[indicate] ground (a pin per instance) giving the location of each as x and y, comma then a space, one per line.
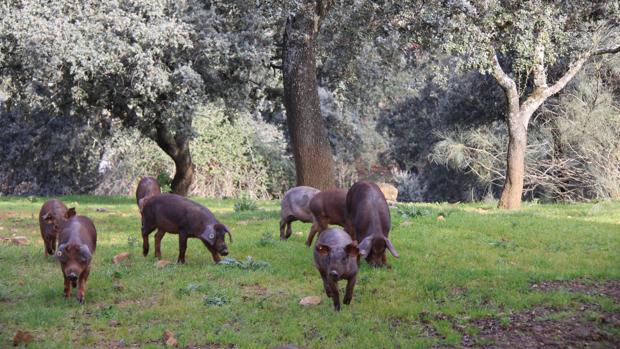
547, 276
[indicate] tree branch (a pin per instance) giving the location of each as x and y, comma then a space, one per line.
602, 51
507, 83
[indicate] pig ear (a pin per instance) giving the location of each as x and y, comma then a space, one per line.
352, 250
48, 218
365, 246
223, 229
85, 251
60, 251
70, 213
209, 235
322, 249
391, 247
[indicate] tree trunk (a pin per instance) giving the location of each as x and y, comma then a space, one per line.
177, 147
515, 164
314, 163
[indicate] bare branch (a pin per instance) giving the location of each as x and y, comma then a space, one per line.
607, 50
507, 83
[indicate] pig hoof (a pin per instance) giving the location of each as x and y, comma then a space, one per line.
81, 300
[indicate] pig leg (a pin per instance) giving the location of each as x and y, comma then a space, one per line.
349, 292
182, 247
158, 236
313, 230
48, 249
53, 244
289, 231
145, 240
67, 291
283, 223
335, 294
82, 285
328, 289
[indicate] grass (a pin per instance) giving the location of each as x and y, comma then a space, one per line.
478, 262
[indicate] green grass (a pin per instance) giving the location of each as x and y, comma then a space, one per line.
476, 263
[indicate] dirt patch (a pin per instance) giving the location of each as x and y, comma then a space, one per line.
545, 327
255, 289
610, 288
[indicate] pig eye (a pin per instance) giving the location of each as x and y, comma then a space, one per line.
211, 236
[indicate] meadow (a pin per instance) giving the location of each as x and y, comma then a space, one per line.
477, 277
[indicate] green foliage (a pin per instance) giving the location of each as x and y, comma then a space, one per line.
245, 203
165, 181
248, 264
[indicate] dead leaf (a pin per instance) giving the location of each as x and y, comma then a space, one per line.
120, 257
162, 263
113, 323
22, 337
310, 300
169, 339
20, 240
441, 218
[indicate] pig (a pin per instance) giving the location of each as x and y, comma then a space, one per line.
368, 222
147, 187
177, 215
336, 257
51, 219
77, 243
327, 207
295, 207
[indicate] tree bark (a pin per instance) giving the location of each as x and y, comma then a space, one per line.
177, 147
314, 163
515, 162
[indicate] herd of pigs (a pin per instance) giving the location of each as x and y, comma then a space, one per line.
362, 211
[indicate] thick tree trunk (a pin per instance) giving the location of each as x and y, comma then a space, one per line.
314, 163
177, 147
515, 162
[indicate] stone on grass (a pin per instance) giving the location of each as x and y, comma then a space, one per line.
310, 301
162, 263
120, 257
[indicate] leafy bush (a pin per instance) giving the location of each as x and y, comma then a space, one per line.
248, 264
245, 203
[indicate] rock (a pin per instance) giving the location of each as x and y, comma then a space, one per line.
169, 339
441, 218
22, 337
389, 191
120, 257
101, 209
310, 301
19, 240
162, 263
118, 286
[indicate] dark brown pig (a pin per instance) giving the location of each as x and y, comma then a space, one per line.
295, 207
177, 215
147, 187
51, 219
368, 222
336, 257
77, 243
327, 207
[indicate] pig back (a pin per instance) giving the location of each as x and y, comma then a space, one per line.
147, 186
334, 238
79, 229
296, 203
367, 210
174, 213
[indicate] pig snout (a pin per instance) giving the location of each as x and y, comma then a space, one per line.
334, 275
72, 276
224, 251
